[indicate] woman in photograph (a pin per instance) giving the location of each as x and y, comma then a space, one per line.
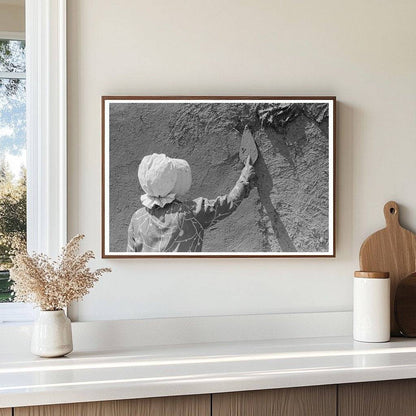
165, 224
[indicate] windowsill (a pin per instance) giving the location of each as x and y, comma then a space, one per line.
16, 313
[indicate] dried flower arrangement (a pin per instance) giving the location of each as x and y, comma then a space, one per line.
53, 285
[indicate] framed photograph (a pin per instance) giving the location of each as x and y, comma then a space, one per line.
218, 176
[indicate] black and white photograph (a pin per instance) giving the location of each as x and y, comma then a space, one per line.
218, 176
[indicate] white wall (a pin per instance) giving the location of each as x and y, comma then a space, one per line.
361, 51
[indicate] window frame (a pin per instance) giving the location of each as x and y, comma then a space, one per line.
46, 135
12, 35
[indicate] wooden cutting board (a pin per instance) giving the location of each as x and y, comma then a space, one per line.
393, 250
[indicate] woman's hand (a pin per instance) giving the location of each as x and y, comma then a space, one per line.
248, 177
248, 173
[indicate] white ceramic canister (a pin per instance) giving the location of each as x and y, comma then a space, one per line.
52, 334
371, 313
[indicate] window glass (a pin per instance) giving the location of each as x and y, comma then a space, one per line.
12, 156
12, 56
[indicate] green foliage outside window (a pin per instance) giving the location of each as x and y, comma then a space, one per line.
12, 155
12, 223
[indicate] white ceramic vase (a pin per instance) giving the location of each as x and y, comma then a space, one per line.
52, 334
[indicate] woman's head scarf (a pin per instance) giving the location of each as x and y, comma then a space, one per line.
163, 179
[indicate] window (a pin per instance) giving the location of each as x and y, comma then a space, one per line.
12, 154
45, 90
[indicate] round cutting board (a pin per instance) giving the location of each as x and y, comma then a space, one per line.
393, 250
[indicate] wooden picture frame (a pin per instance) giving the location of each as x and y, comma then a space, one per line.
290, 129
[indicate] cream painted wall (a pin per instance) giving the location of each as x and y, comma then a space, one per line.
361, 51
12, 18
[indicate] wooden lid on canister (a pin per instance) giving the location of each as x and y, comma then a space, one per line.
372, 275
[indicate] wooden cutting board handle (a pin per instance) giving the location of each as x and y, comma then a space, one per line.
393, 250
391, 214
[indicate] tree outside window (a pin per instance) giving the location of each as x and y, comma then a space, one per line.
12, 156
